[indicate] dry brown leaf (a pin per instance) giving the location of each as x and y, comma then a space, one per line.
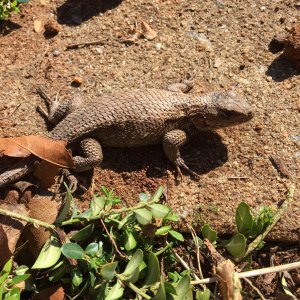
44, 209
46, 173
229, 284
49, 150
38, 26
147, 31
10, 230
51, 293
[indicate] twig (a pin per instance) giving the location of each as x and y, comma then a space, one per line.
26, 219
112, 240
197, 246
280, 212
132, 286
254, 273
255, 289
184, 264
84, 44
7, 117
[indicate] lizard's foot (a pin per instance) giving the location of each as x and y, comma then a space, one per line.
180, 164
72, 180
185, 85
57, 109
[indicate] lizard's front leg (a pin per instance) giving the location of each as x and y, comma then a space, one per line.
57, 109
171, 143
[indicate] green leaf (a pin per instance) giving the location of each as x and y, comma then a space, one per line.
132, 270
83, 234
237, 245
177, 235
125, 220
21, 270
209, 233
18, 279
159, 211
171, 217
203, 295
170, 289
66, 208
144, 197
115, 292
49, 254
130, 241
143, 216
57, 274
163, 230
243, 218
72, 250
92, 249
153, 274
77, 277
134, 262
97, 204
182, 288
161, 292
1, 285
14, 294
6, 270
108, 270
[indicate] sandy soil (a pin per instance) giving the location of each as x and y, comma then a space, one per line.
225, 42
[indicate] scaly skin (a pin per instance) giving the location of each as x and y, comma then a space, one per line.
143, 117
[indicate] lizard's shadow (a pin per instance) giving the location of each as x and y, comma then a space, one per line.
203, 154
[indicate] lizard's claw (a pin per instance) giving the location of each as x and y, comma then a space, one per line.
180, 164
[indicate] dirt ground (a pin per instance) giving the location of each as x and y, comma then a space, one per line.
225, 42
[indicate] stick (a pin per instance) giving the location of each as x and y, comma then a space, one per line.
253, 273
84, 44
113, 241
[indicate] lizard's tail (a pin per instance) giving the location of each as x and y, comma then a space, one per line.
17, 171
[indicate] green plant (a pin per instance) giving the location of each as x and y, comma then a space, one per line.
8, 282
248, 227
8, 6
116, 253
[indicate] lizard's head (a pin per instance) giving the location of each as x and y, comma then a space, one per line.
225, 109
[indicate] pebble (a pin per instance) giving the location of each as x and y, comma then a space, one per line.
158, 46
56, 53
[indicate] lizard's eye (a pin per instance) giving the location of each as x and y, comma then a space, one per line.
227, 114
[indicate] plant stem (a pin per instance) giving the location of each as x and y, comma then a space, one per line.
133, 287
279, 213
26, 219
164, 249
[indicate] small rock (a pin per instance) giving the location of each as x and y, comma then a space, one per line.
147, 31
263, 8
217, 63
52, 28
77, 81
158, 46
258, 127
99, 50
38, 26
204, 41
56, 53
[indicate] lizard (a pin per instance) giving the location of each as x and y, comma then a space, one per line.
137, 118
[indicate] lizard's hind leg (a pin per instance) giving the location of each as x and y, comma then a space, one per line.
57, 109
91, 155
